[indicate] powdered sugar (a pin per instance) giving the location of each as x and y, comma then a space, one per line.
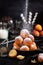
31, 36
24, 31
27, 39
24, 47
18, 37
41, 55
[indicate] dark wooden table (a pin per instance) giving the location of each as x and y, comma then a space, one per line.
9, 61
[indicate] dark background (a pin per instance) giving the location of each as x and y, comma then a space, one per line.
14, 8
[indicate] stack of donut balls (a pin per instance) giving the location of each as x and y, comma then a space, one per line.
25, 41
38, 30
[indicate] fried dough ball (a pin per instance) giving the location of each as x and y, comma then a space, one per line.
40, 57
34, 43
12, 53
32, 37
27, 41
24, 33
33, 47
41, 33
20, 57
19, 40
24, 48
36, 33
15, 46
38, 27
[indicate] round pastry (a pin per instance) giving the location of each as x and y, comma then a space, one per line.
33, 47
41, 33
34, 43
27, 41
24, 48
36, 33
15, 46
38, 27
24, 33
12, 53
19, 40
40, 57
32, 37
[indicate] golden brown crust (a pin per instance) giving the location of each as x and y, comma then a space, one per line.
41, 33
36, 33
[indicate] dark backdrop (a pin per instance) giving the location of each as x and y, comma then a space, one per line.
14, 8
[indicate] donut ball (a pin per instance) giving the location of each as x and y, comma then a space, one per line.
40, 57
19, 40
24, 48
33, 47
27, 41
41, 33
24, 33
32, 37
36, 33
15, 46
34, 43
12, 53
38, 27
